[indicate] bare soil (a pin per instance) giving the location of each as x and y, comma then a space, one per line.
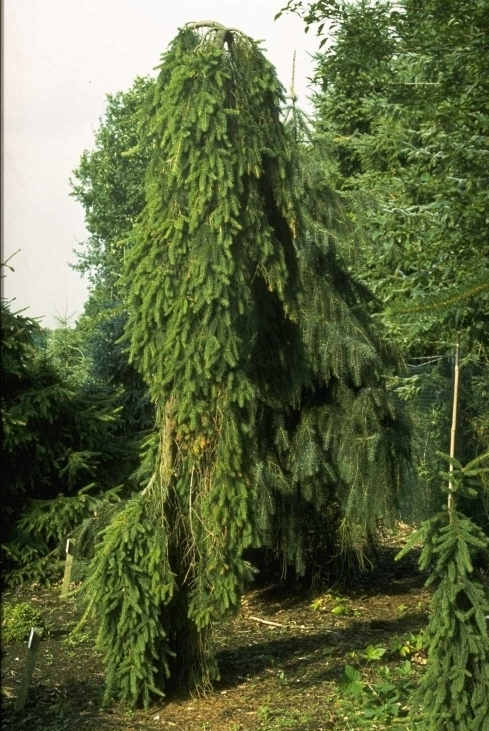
280, 659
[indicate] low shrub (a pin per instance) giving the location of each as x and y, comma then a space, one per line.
18, 620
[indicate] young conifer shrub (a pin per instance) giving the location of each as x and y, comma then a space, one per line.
454, 692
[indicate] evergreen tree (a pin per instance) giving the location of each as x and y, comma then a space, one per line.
267, 374
216, 239
401, 102
64, 447
343, 446
454, 691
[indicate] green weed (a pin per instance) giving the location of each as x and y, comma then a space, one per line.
379, 696
340, 607
408, 646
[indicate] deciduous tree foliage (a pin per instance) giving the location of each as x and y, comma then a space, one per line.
273, 420
109, 184
403, 90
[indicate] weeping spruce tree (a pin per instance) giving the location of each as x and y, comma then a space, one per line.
273, 421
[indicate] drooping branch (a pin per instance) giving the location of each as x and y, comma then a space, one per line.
213, 25
223, 34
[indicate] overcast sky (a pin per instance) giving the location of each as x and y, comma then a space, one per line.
61, 59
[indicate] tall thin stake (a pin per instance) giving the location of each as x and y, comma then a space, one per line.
32, 653
453, 432
70, 550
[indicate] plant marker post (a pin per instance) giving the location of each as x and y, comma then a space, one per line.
70, 550
32, 652
453, 432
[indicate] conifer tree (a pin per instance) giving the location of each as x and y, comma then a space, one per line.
212, 256
267, 374
62, 450
454, 692
347, 445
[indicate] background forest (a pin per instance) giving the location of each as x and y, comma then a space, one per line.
262, 378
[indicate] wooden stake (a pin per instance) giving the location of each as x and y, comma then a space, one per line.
32, 652
453, 432
70, 552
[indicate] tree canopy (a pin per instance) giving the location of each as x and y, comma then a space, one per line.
402, 99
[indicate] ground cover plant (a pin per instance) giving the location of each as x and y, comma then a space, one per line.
18, 620
290, 671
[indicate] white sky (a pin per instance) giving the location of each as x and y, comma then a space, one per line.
61, 58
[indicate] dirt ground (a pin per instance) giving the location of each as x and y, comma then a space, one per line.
280, 659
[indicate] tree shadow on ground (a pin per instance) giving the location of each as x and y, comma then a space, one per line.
383, 573
303, 650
